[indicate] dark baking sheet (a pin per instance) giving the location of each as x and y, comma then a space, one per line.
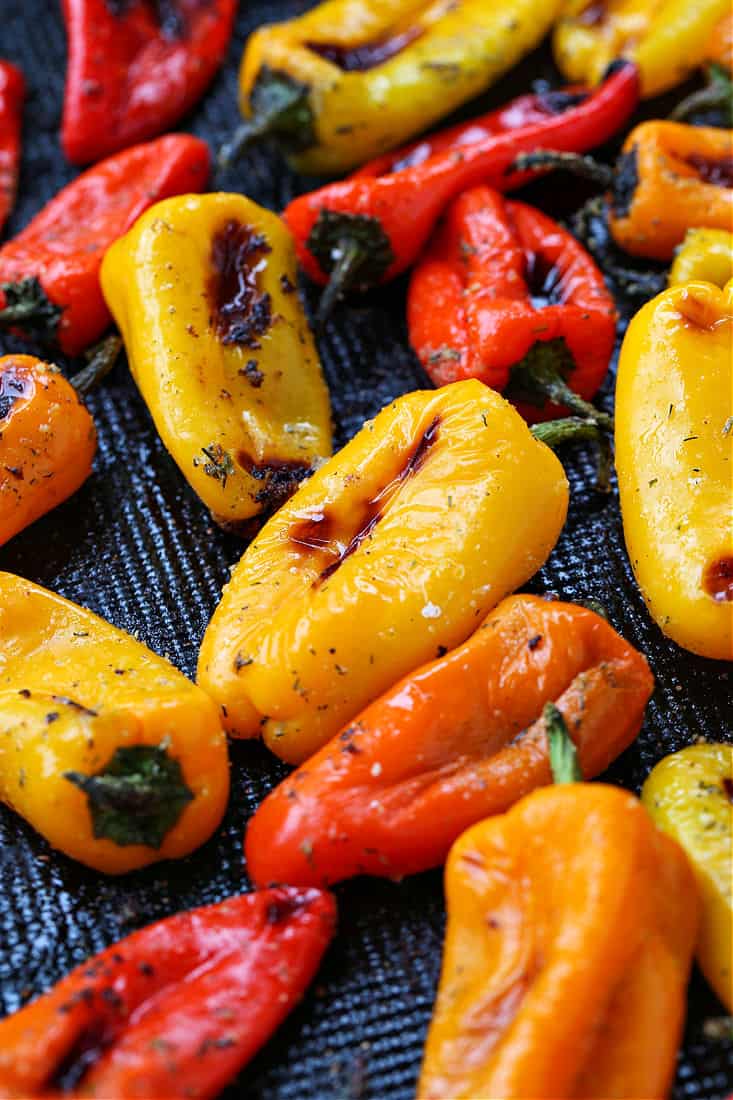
137, 547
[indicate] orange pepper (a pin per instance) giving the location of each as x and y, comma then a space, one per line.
571, 926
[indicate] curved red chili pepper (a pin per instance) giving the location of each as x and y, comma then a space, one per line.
174, 1010
136, 67
473, 312
49, 273
12, 94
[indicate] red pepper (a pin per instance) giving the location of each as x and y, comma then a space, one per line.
174, 1010
506, 295
12, 93
136, 67
365, 230
49, 273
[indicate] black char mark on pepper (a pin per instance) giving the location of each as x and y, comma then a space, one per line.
287, 905
12, 388
242, 312
280, 478
359, 59
625, 182
715, 170
171, 16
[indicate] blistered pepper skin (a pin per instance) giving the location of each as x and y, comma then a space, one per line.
76, 695
705, 254
203, 290
398, 546
690, 796
674, 457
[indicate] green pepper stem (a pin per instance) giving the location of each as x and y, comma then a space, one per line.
350, 257
563, 754
566, 429
583, 166
251, 130
28, 306
101, 358
280, 105
540, 375
717, 93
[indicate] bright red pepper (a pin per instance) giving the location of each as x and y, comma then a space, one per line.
174, 1010
505, 294
49, 273
366, 229
12, 94
136, 67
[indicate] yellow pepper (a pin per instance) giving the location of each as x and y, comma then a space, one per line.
392, 552
690, 796
203, 290
705, 254
105, 748
351, 79
674, 456
668, 39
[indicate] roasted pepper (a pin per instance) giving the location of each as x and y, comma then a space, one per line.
174, 1010
571, 925
12, 94
203, 290
105, 748
674, 456
49, 273
461, 738
690, 796
135, 68
368, 228
394, 549
505, 294
352, 78
705, 254
47, 437
666, 38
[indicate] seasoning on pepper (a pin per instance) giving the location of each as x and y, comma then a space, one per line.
12, 94
365, 230
49, 273
690, 796
136, 67
505, 294
350, 79
174, 1010
105, 748
202, 290
674, 456
705, 254
461, 738
571, 926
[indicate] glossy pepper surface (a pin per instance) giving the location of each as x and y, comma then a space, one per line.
690, 796
571, 925
666, 38
505, 294
461, 738
174, 1010
203, 290
136, 67
705, 254
49, 273
399, 545
12, 94
674, 457
350, 79
105, 748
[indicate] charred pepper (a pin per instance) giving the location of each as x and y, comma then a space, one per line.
12, 94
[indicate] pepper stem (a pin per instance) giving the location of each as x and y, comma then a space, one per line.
540, 375
280, 106
717, 93
585, 167
28, 307
100, 360
566, 429
349, 260
563, 754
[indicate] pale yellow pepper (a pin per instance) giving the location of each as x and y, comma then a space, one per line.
105, 748
690, 796
705, 254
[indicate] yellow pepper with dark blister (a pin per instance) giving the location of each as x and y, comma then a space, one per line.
105, 748
668, 39
674, 456
203, 290
705, 254
690, 796
391, 553
351, 79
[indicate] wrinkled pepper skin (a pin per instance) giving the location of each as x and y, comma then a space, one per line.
705, 254
666, 38
203, 290
674, 457
133, 72
62, 247
461, 738
690, 796
105, 748
472, 306
12, 94
375, 72
398, 546
571, 926
176, 1009
47, 441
